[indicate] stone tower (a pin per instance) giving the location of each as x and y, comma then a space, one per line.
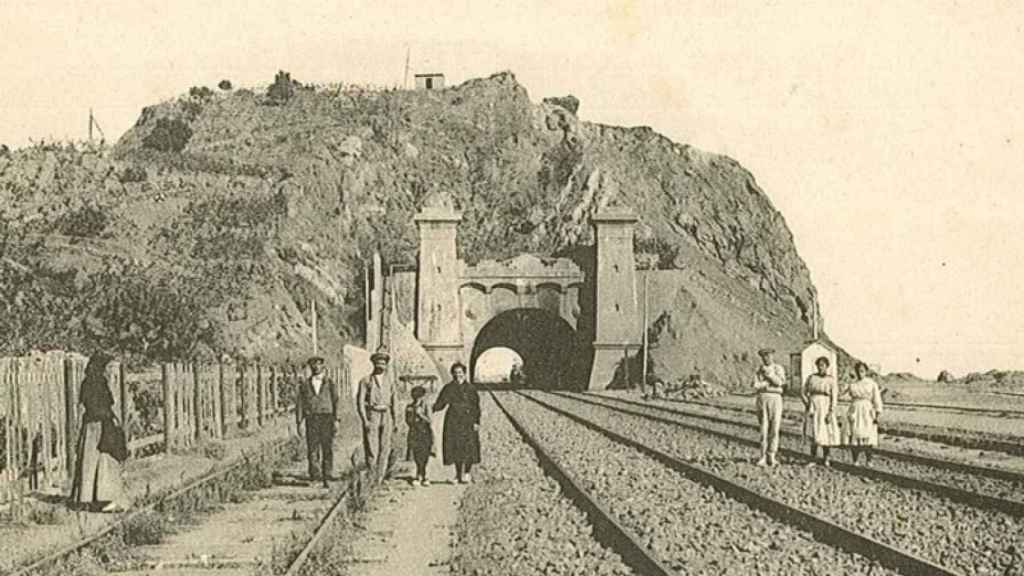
438, 322
616, 317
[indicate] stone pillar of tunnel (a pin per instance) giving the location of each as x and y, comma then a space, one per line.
616, 316
438, 321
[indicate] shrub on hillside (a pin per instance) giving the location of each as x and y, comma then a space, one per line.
225, 85
89, 221
200, 93
157, 312
657, 253
132, 174
169, 135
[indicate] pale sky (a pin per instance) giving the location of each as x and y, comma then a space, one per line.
890, 136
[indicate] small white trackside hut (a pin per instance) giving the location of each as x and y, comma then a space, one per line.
801, 364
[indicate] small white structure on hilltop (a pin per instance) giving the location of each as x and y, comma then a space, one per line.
431, 81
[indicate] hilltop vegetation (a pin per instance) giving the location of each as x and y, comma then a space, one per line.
230, 210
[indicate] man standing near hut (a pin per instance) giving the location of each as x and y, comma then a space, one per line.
318, 406
769, 383
375, 402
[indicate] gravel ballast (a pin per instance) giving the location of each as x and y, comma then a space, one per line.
959, 537
998, 488
690, 527
514, 520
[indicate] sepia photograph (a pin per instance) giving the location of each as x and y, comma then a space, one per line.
618, 287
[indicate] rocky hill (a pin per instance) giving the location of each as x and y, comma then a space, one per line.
240, 206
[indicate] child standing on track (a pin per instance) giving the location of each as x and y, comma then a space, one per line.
421, 437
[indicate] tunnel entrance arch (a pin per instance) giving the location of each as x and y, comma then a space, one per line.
553, 355
596, 301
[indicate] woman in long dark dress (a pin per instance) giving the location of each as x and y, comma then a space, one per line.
97, 480
460, 442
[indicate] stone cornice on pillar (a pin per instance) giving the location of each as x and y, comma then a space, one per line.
437, 215
614, 215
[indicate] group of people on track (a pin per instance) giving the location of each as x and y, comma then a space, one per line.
97, 480
378, 411
824, 426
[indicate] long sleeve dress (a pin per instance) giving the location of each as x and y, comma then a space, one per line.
821, 393
865, 407
97, 474
460, 443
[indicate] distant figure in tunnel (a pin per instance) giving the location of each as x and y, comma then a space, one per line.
460, 442
375, 402
769, 383
516, 376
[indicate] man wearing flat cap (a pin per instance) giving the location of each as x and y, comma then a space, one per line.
375, 403
769, 384
318, 406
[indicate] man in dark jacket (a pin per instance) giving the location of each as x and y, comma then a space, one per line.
318, 406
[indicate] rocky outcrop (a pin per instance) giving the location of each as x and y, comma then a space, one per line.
350, 168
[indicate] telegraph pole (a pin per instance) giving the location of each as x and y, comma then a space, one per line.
312, 310
93, 122
814, 319
405, 78
643, 376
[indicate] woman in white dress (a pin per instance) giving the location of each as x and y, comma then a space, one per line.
819, 394
865, 409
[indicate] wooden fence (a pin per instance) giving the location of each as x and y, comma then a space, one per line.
173, 407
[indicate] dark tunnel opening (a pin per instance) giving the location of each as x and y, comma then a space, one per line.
553, 355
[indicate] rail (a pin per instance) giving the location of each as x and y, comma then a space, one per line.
824, 530
966, 439
357, 483
270, 450
982, 501
974, 469
607, 530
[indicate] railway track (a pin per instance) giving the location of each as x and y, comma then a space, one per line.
256, 515
606, 529
692, 519
969, 538
979, 486
976, 410
971, 439
935, 407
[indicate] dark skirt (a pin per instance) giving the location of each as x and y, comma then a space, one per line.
419, 443
460, 442
97, 474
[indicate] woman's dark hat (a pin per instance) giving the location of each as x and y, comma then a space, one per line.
315, 360
380, 356
764, 351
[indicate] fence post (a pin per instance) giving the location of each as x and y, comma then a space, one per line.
197, 403
275, 389
165, 381
243, 393
123, 391
70, 414
219, 415
259, 392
